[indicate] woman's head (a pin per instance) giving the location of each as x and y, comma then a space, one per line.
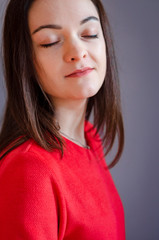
28, 62
26, 17
67, 37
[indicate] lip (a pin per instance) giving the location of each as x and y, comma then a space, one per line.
80, 72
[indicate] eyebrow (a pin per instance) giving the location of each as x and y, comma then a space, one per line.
54, 26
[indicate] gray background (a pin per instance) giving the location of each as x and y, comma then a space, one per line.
136, 34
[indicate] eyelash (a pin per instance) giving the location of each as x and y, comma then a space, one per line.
48, 45
54, 43
91, 36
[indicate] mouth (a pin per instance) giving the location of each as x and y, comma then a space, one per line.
80, 72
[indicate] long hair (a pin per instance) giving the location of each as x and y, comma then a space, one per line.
29, 112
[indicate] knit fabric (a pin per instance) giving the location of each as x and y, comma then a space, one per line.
44, 196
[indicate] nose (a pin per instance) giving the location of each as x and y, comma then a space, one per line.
74, 52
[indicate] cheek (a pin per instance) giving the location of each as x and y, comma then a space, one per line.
44, 67
102, 59
41, 72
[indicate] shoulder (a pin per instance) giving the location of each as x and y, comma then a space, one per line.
27, 159
92, 135
30, 192
91, 131
94, 141
29, 169
89, 127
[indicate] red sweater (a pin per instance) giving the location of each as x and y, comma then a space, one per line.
45, 197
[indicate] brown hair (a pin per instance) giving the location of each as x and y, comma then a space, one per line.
29, 113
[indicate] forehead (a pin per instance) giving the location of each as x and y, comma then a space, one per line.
60, 11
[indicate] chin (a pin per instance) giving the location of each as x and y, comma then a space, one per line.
87, 93
92, 91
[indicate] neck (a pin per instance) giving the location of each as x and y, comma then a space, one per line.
71, 118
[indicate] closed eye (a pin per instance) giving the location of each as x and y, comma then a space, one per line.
90, 36
48, 45
54, 43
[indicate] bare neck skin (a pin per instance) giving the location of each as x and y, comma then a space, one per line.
70, 116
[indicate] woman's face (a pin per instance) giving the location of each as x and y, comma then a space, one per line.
67, 37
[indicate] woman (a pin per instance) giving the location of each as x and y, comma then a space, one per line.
59, 68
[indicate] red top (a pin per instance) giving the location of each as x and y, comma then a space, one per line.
45, 197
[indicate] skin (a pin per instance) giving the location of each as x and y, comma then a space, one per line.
59, 52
